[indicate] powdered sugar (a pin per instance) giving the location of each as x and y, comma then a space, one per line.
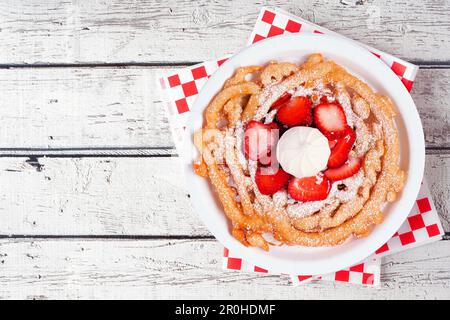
270, 116
280, 198
341, 191
319, 90
268, 96
343, 98
304, 209
239, 134
301, 91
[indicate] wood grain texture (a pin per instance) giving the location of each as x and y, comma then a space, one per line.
51, 108
122, 196
162, 269
60, 31
88, 108
95, 196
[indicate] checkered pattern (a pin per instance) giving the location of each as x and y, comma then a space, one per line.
179, 93
422, 226
274, 22
233, 262
366, 273
185, 85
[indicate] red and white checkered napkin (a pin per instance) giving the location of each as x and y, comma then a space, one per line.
367, 272
422, 226
181, 88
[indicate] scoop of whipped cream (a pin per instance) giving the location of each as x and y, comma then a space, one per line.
303, 151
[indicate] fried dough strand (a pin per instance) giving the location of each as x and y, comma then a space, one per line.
216, 106
240, 75
274, 72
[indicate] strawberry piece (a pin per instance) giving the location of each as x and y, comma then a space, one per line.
259, 139
296, 112
330, 119
332, 143
313, 188
323, 99
339, 154
348, 169
281, 100
270, 180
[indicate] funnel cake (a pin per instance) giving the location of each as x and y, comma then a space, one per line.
267, 205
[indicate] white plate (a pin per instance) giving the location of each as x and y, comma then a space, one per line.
363, 64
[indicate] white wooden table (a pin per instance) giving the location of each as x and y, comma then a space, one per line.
91, 200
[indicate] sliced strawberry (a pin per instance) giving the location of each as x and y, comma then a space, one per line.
348, 169
259, 140
330, 119
332, 143
296, 112
281, 100
323, 99
309, 188
339, 154
270, 180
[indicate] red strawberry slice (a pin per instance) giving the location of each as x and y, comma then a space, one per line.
323, 99
332, 143
330, 119
296, 112
259, 139
339, 154
270, 180
348, 169
309, 188
281, 100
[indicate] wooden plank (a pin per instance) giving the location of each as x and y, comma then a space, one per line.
60, 31
95, 196
437, 173
163, 269
122, 196
51, 108
86, 108
428, 88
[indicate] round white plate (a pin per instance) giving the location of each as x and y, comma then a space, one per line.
363, 64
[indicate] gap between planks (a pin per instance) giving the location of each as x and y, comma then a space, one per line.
143, 152
105, 198
168, 64
121, 107
89, 152
445, 237
95, 31
108, 237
